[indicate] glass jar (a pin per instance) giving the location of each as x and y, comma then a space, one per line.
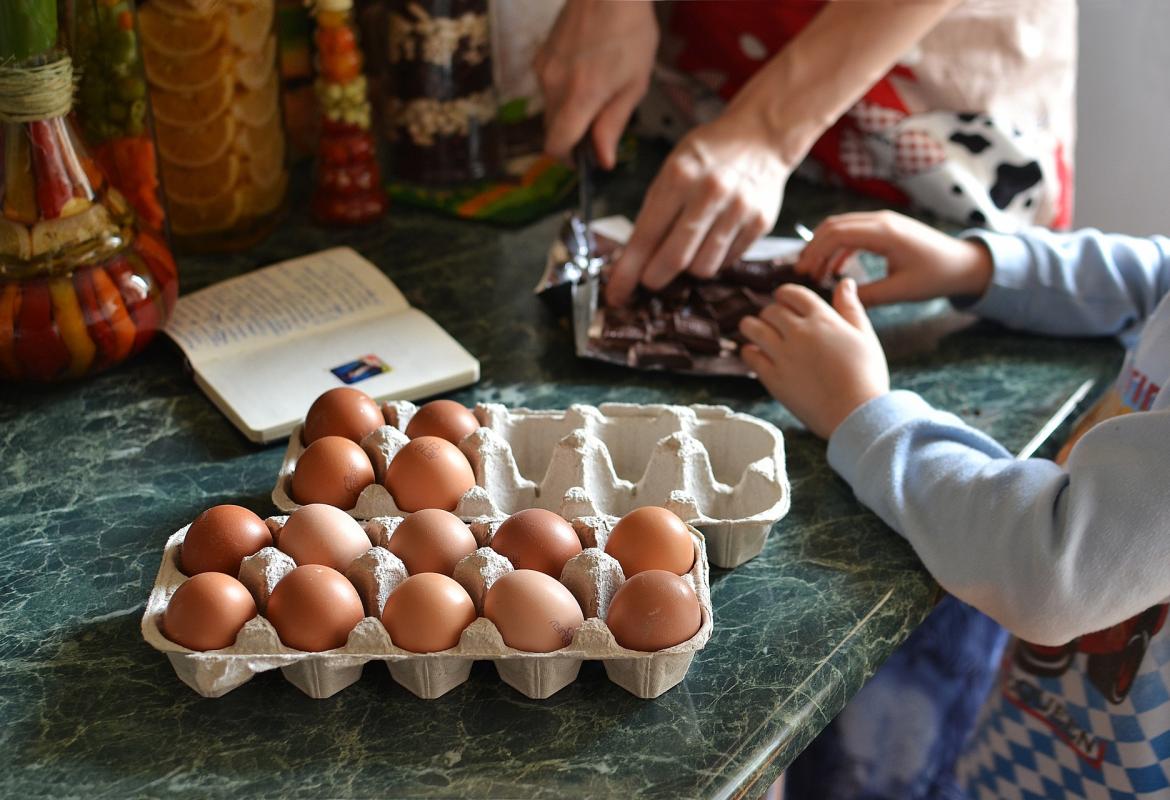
347, 186
81, 286
215, 93
440, 105
111, 105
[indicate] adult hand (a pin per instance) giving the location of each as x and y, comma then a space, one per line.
718, 191
820, 362
594, 68
922, 263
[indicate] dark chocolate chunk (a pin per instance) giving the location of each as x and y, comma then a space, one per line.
759, 299
712, 292
677, 292
698, 334
729, 312
668, 355
622, 328
758, 275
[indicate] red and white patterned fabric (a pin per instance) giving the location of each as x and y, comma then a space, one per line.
975, 124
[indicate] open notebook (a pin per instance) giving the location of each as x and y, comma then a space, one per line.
264, 345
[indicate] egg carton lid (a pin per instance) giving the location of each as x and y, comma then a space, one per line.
721, 471
592, 576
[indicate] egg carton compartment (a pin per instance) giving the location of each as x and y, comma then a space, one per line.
723, 471
593, 577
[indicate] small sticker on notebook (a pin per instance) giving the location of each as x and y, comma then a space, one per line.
361, 369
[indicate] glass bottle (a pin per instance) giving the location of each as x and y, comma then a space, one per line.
440, 104
215, 95
82, 287
347, 181
111, 106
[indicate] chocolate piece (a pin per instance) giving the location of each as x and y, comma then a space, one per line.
659, 328
712, 292
758, 275
677, 292
729, 312
759, 299
668, 355
622, 328
698, 334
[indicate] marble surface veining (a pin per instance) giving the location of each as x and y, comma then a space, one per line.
94, 476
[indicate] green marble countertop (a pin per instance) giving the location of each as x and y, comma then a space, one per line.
95, 476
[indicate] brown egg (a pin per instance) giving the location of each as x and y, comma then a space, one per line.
427, 613
443, 418
429, 472
654, 610
220, 538
332, 470
651, 538
537, 539
321, 534
313, 608
207, 611
344, 412
431, 540
533, 612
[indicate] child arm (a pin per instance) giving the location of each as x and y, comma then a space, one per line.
1076, 284
1083, 283
1049, 553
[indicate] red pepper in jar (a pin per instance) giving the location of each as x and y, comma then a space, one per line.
162, 266
100, 329
38, 342
136, 295
113, 309
54, 190
9, 310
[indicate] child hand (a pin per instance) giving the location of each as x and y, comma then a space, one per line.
821, 363
922, 263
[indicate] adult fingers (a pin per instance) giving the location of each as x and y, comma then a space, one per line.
713, 253
659, 210
611, 122
755, 226
570, 112
706, 199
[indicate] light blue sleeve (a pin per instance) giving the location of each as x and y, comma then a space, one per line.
1050, 553
1075, 284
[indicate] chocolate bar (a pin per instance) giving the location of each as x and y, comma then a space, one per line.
691, 320
698, 334
668, 355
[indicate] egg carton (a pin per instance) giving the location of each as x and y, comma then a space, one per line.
721, 471
592, 576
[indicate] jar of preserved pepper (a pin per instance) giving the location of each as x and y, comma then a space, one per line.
211, 69
111, 104
347, 181
440, 108
82, 287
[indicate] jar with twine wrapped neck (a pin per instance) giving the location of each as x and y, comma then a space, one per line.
82, 287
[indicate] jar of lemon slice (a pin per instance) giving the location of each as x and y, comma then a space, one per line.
211, 66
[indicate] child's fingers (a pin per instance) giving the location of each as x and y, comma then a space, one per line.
867, 231
763, 335
766, 372
801, 300
848, 305
897, 287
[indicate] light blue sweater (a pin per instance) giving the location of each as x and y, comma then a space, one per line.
1051, 552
